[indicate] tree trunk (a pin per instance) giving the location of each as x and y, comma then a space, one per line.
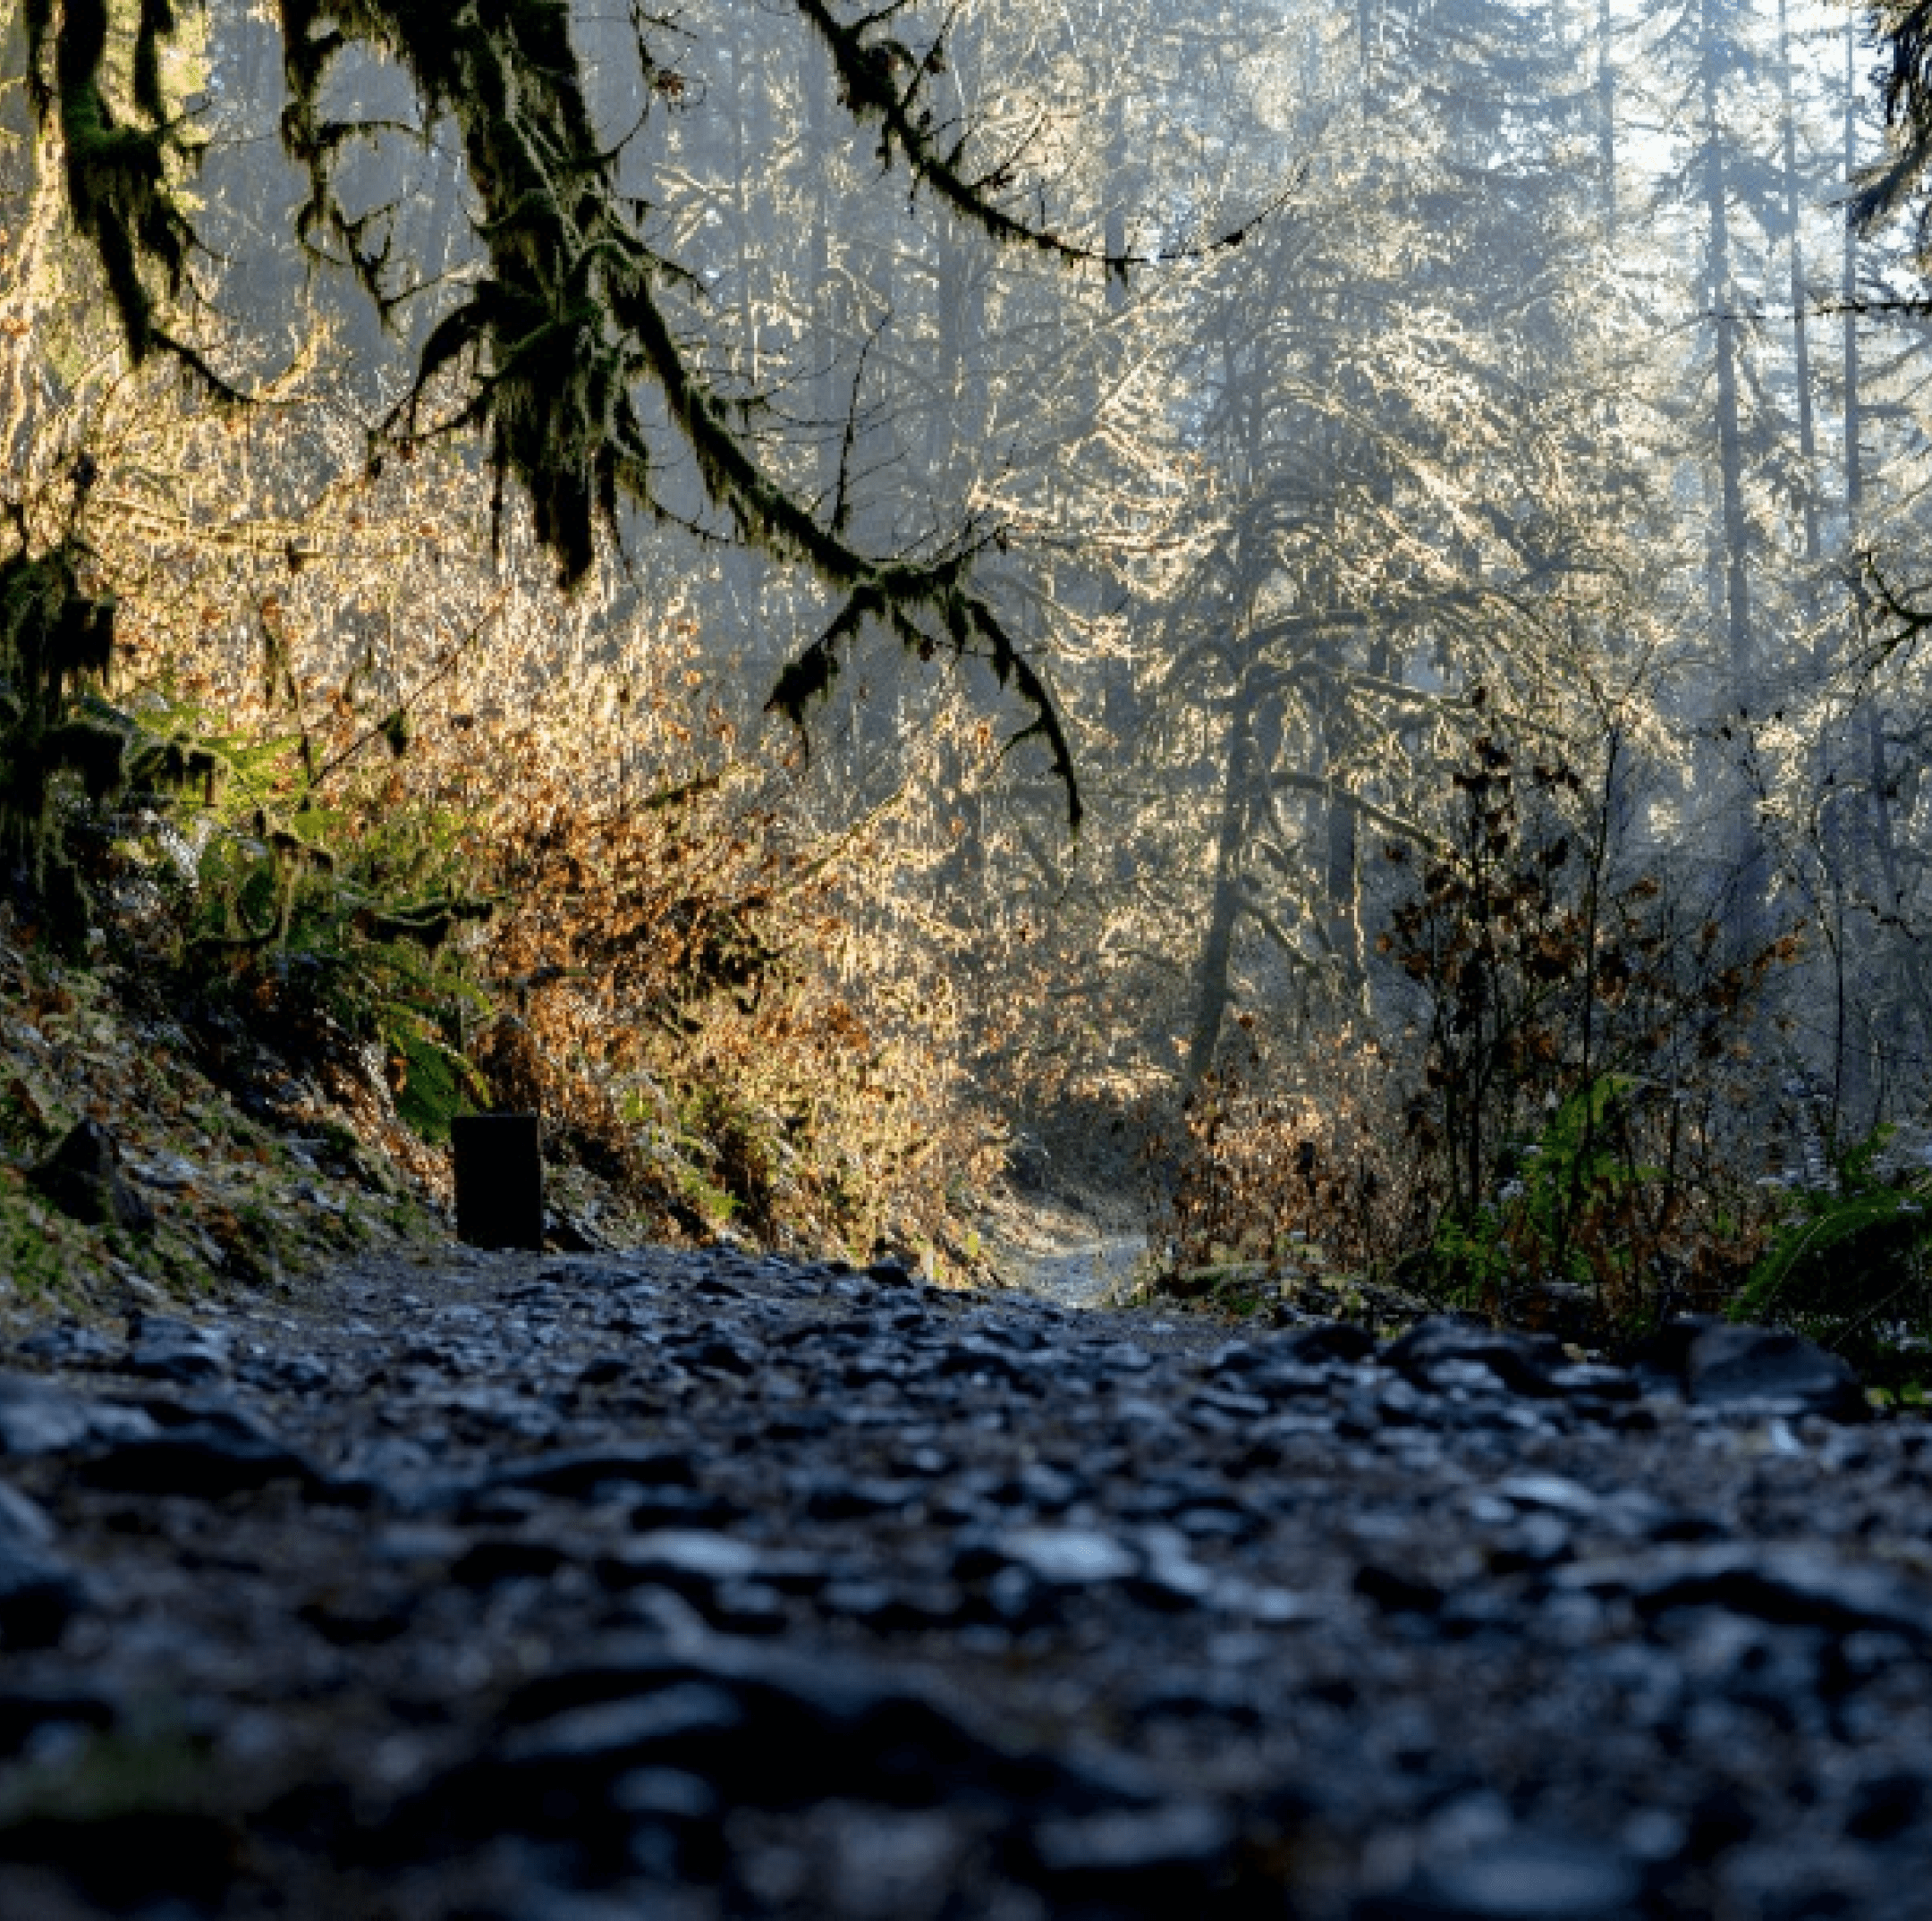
1801, 340
1878, 821
1606, 124
827, 402
1744, 914
1342, 863
1213, 976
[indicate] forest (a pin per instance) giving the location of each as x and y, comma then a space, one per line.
1310, 617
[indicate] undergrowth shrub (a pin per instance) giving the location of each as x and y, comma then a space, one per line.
645, 951
444, 837
1285, 1171
686, 989
1591, 1065
1566, 1128
1850, 1263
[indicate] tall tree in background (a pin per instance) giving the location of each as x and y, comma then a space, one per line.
1396, 381
1706, 58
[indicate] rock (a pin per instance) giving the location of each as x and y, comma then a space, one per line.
1522, 1363
59, 1701
719, 1355
164, 1347
1551, 1491
359, 1618
1596, 1380
1138, 1861
1730, 1363
1170, 1577
82, 1178
889, 1865
1518, 1876
1049, 1490
1793, 1584
70, 1345
1330, 1341
569, 1233
888, 1610
1536, 1541
1718, 1820
1218, 1401
38, 1594
491, 1560
578, 1473
1658, 1360
980, 1354
746, 1607
684, 1722
690, 1561
296, 1374
38, 1416
932, 1603
1883, 1805
22, 1520
204, 1458
664, 1794
771, 1730
679, 1506
839, 1497
1397, 1592
1066, 1557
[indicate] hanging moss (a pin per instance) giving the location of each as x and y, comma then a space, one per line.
95, 751
55, 645
53, 641
122, 175
549, 353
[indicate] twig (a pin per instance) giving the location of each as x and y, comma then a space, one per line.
443, 669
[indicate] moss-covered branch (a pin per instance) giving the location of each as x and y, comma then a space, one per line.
551, 349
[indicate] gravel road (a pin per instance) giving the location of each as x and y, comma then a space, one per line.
1087, 1274
675, 1584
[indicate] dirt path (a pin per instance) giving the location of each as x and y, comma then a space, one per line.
1091, 1273
703, 1587
1074, 1249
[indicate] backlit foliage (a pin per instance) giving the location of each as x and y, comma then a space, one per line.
571, 314
450, 837
1472, 704
1575, 1105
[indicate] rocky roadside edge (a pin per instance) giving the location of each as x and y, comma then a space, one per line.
156, 1155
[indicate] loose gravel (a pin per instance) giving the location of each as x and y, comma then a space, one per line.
528, 1588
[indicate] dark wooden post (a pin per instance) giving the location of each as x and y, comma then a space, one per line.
499, 1180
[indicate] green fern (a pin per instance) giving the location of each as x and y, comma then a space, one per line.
1853, 1267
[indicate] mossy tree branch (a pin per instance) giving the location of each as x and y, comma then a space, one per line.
565, 329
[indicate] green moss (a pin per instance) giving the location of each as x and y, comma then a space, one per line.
109, 1775
29, 1253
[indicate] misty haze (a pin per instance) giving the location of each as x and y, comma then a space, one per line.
965, 960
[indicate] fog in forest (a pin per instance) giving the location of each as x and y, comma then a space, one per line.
1344, 587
